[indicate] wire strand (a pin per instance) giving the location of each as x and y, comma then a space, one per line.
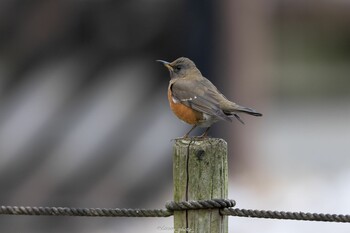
225, 206
282, 215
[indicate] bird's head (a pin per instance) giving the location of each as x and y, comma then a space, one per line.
180, 68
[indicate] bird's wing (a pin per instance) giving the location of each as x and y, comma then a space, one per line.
199, 94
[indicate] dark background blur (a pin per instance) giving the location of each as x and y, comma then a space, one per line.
84, 119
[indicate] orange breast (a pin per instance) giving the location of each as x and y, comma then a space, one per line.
183, 112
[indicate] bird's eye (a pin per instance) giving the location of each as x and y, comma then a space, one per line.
178, 68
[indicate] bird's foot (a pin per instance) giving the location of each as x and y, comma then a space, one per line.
202, 137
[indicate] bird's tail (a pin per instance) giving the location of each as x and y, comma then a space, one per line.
249, 111
234, 109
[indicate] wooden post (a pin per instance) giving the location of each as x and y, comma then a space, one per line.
200, 173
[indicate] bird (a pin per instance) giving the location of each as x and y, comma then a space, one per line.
195, 100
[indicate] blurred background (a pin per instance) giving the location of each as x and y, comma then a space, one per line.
84, 118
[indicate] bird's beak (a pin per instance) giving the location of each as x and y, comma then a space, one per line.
166, 64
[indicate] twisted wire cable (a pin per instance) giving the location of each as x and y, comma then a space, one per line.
225, 206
